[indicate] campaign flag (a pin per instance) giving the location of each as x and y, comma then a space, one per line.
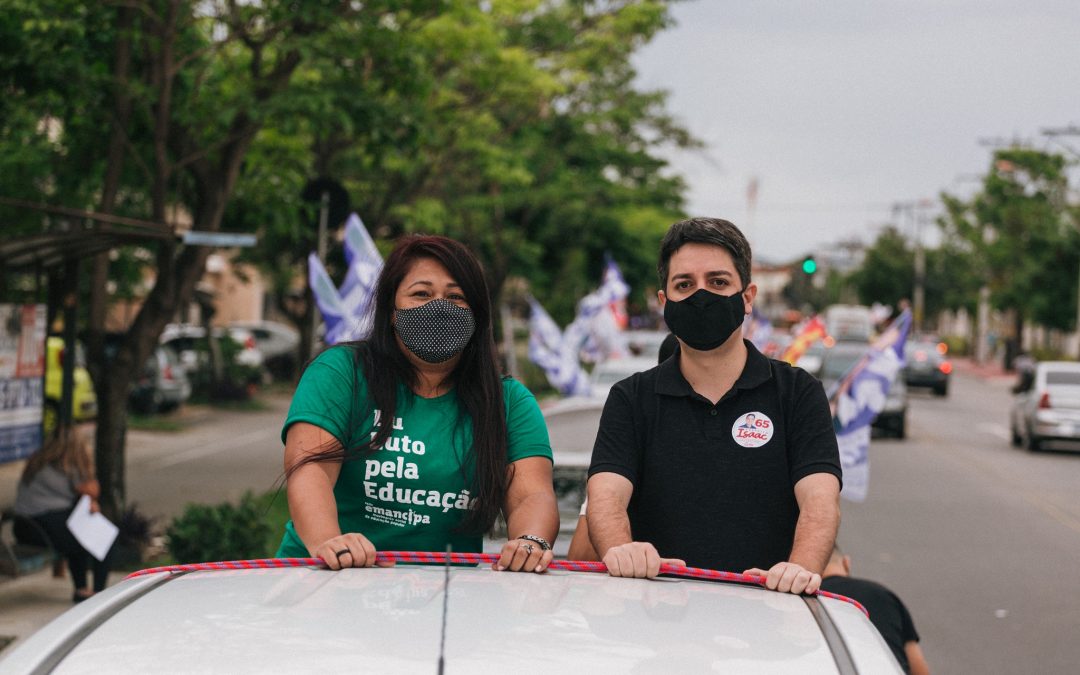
327, 299
812, 331
857, 399
347, 311
357, 291
598, 326
757, 329
550, 349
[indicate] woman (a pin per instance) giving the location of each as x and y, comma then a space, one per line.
54, 479
410, 439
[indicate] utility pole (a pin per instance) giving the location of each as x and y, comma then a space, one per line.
324, 216
915, 210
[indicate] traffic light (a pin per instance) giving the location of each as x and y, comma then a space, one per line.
809, 265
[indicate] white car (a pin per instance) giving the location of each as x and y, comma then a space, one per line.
185, 340
572, 425
427, 619
607, 373
1047, 405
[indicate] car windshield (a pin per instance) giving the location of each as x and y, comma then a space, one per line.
838, 364
1063, 377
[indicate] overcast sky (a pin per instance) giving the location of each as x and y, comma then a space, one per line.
843, 108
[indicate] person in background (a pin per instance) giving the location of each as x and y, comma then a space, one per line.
887, 612
671, 473
411, 439
53, 481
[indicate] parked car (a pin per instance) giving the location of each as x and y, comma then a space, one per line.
83, 399
188, 342
162, 385
420, 619
927, 366
839, 359
607, 373
1047, 406
278, 343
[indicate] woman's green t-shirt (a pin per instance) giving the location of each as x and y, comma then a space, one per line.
412, 493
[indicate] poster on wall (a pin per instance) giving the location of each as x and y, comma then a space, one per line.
22, 368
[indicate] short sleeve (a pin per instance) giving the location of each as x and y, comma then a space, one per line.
616, 448
812, 444
327, 394
526, 430
907, 626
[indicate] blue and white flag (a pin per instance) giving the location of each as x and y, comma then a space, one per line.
757, 329
596, 328
347, 311
327, 299
550, 349
858, 398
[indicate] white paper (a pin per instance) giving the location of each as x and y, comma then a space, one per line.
92, 530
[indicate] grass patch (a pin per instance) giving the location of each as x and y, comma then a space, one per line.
275, 507
154, 423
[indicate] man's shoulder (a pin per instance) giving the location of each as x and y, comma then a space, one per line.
641, 383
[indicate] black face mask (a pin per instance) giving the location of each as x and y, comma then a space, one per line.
436, 331
705, 320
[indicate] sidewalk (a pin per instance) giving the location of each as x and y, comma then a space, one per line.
29, 602
991, 370
174, 467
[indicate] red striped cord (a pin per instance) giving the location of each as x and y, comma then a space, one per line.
468, 558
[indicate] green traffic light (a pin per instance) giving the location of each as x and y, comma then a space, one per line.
809, 266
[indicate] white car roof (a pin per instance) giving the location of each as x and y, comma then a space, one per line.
390, 621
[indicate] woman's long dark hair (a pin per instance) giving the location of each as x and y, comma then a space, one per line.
476, 377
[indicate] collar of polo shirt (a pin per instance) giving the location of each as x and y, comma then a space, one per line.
670, 380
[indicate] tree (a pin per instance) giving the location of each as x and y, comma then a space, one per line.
887, 272
1022, 236
512, 125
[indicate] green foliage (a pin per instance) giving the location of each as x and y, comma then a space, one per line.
887, 273
958, 346
1021, 236
204, 533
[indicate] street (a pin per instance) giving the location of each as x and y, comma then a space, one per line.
978, 538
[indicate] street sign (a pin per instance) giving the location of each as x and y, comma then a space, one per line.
219, 239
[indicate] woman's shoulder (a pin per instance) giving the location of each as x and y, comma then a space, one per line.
514, 390
342, 358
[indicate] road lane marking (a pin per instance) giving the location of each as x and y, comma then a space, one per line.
995, 430
201, 451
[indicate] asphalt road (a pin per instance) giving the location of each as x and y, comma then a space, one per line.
981, 540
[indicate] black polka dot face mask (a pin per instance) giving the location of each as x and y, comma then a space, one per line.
435, 331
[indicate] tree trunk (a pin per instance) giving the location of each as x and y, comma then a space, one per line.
108, 437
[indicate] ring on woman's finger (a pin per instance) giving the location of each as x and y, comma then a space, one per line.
342, 552
529, 549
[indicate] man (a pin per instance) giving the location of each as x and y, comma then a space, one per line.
887, 612
671, 473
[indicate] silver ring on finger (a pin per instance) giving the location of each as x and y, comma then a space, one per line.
529, 549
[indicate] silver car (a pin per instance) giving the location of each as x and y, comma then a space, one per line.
1047, 405
393, 620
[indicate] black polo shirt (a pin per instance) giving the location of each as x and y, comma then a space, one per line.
712, 485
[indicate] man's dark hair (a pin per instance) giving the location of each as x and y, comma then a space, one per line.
713, 231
